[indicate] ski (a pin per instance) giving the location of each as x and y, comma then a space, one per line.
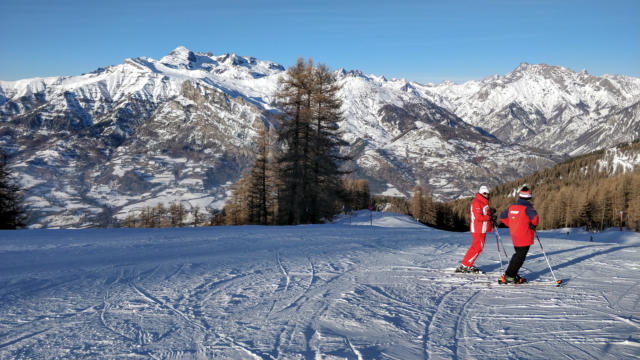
440, 271
469, 273
486, 281
458, 270
532, 283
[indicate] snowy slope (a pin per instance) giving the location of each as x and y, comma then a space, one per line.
334, 291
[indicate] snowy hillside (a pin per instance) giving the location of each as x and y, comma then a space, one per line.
101, 145
91, 147
547, 106
400, 139
338, 291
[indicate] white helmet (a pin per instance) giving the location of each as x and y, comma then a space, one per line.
483, 190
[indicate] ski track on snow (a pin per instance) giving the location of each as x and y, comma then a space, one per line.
326, 291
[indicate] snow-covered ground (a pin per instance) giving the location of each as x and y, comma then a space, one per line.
345, 290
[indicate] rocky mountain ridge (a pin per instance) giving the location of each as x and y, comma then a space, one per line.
92, 147
549, 107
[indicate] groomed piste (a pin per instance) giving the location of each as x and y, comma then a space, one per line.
346, 290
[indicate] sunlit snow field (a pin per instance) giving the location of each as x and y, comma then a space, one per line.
341, 291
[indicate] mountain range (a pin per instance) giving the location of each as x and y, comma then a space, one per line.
91, 148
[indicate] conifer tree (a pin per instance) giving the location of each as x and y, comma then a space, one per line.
260, 188
197, 215
416, 206
356, 194
326, 184
147, 216
217, 217
586, 215
294, 99
633, 211
309, 164
12, 213
130, 221
177, 214
236, 209
423, 208
160, 216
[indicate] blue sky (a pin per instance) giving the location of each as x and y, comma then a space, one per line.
424, 41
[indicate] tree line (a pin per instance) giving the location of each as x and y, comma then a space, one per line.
422, 207
581, 192
160, 216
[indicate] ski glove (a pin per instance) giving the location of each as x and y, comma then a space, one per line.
492, 211
494, 219
532, 227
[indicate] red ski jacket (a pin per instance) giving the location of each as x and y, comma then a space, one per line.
480, 215
518, 217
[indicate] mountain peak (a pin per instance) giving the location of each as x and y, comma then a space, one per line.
359, 74
544, 69
356, 73
233, 59
536, 68
179, 56
180, 50
448, 83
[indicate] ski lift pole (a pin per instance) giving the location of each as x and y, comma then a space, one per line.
548, 263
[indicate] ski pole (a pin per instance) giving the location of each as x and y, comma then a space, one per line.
499, 254
495, 229
548, 263
504, 251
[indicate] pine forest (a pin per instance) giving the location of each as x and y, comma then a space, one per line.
590, 191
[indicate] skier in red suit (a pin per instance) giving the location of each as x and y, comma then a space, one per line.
522, 219
482, 218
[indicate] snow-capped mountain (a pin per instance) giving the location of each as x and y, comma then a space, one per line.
139, 133
146, 131
548, 107
400, 138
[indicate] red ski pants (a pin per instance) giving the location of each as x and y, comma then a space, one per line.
476, 248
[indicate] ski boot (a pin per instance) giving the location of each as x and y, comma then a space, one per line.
520, 280
504, 279
468, 269
473, 269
